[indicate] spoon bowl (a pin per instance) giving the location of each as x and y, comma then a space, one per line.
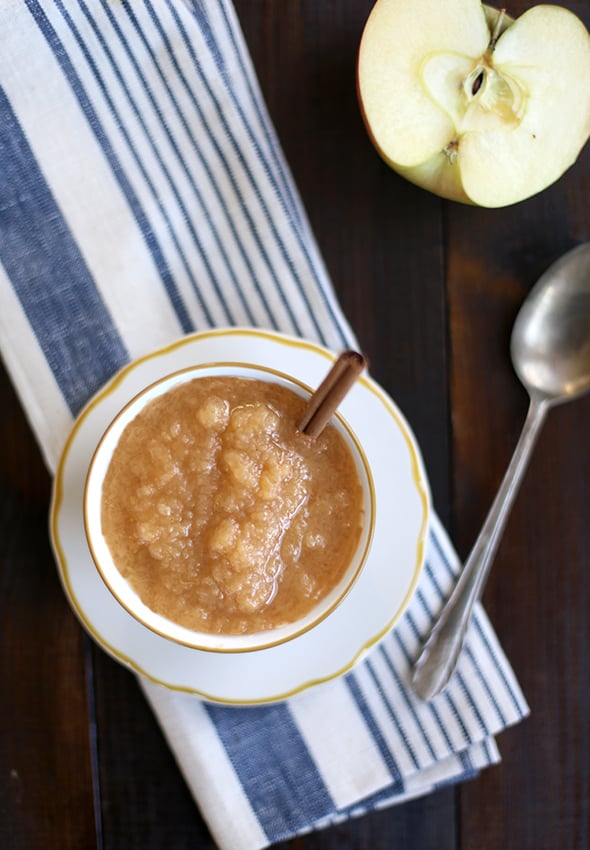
550, 350
550, 345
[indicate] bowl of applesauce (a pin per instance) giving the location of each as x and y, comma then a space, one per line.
216, 523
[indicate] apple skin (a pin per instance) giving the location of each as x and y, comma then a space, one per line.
438, 173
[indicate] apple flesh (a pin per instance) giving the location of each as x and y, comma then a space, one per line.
471, 104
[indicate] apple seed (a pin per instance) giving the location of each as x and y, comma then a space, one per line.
477, 83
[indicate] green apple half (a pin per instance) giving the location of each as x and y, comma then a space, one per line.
470, 104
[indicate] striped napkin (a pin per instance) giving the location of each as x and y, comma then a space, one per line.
143, 195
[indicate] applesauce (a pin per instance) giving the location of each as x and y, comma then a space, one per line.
221, 515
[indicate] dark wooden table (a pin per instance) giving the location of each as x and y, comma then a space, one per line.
431, 289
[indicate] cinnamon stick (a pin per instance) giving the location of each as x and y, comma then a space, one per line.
328, 396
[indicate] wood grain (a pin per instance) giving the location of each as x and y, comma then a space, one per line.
46, 778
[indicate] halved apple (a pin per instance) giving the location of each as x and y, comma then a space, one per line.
471, 104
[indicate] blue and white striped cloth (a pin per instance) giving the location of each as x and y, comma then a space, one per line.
143, 194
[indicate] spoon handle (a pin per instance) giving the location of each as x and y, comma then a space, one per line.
438, 658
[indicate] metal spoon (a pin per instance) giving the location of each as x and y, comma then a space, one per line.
550, 349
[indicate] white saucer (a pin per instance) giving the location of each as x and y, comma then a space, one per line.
336, 644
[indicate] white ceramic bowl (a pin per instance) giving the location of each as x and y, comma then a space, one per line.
126, 595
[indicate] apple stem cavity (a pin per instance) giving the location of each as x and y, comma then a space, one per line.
497, 30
